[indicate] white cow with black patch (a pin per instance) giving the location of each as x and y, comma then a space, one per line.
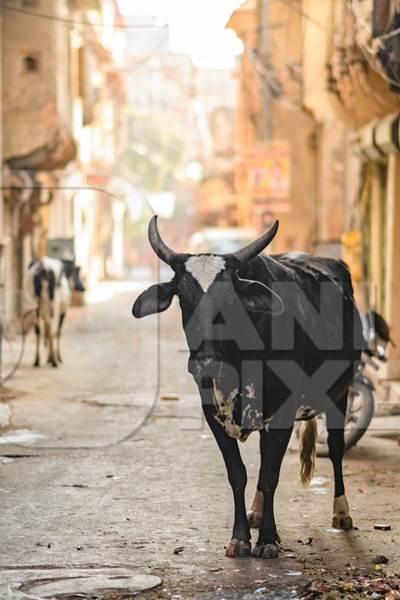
48, 286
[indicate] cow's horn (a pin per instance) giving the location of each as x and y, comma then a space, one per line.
250, 251
159, 247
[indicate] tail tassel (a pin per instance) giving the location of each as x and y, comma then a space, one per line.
308, 440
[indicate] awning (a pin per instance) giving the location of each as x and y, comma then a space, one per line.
17, 181
84, 4
53, 155
378, 139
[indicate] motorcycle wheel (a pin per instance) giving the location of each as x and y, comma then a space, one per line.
360, 410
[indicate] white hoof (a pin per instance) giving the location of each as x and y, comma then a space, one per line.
341, 513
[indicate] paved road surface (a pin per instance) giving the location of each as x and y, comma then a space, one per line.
116, 479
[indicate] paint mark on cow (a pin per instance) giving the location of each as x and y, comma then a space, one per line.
243, 405
250, 390
224, 413
205, 269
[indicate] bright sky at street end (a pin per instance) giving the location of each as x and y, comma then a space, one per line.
196, 28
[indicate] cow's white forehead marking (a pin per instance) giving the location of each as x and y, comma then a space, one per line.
205, 269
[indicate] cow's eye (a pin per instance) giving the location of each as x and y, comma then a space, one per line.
182, 300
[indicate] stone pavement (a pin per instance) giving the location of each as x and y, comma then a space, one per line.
113, 477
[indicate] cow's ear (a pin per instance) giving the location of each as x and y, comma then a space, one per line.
258, 297
155, 299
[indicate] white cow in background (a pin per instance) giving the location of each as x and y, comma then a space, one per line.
49, 284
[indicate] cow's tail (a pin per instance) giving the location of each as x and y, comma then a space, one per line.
308, 439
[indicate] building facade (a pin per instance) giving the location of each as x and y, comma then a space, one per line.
322, 79
62, 130
364, 79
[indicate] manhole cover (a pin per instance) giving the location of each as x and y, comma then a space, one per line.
83, 584
20, 436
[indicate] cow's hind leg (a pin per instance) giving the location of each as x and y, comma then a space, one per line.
255, 514
37, 334
239, 545
59, 329
335, 419
273, 444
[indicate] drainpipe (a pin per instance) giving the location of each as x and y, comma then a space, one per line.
265, 128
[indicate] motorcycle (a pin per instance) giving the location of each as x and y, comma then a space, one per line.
360, 403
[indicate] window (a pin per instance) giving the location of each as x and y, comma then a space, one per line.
31, 63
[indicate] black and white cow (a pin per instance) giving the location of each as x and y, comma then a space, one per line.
272, 339
49, 283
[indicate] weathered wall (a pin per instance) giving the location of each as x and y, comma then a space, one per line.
35, 102
294, 124
1, 155
333, 140
3, 240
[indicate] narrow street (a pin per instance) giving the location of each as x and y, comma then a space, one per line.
117, 477
250, 150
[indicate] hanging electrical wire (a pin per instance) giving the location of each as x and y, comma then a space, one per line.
78, 22
265, 77
370, 52
301, 12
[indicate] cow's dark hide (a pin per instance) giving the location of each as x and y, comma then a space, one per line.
272, 339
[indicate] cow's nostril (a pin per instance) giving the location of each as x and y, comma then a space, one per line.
204, 359
206, 382
207, 358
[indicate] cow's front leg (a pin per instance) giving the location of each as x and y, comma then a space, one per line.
273, 445
239, 545
51, 359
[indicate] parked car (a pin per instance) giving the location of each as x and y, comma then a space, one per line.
220, 240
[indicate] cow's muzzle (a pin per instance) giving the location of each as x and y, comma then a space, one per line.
205, 365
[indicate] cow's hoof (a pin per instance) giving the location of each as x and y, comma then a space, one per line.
254, 519
238, 549
265, 551
345, 523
